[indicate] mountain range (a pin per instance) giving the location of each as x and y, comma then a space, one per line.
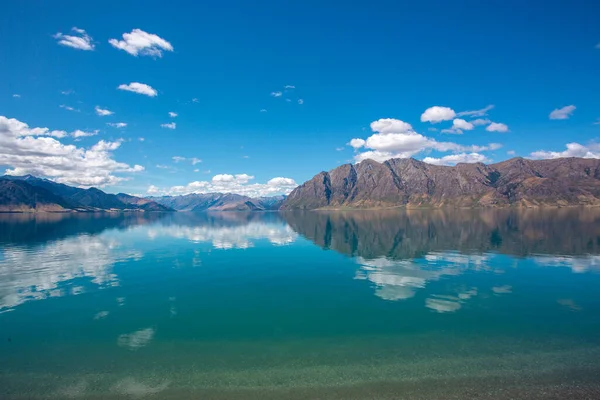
410, 183
219, 202
31, 194
394, 183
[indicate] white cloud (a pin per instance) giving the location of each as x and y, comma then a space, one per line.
480, 121
458, 125
476, 113
288, 100
80, 42
195, 100
152, 190
69, 108
16, 96
178, 159
496, 127
562, 113
597, 121
276, 94
300, 101
289, 87
79, 133
462, 124
454, 159
67, 92
28, 150
117, 124
397, 139
437, 114
171, 125
598, 46
172, 114
357, 143
140, 88
511, 152
227, 183
263, 110
573, 150
339, 149
195, 160
390, 125
102, 111
138, 42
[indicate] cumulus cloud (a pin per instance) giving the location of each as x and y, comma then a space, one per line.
562, 113
16, 96
171, 125
454, 159
138, 42
462, 124
497, 127
300, 101
289, 87
117, 124
34, 151
79, 40
172, 114
195, 160
394, 138
458, 125
276, 94
480, 121
140, 88
69, 108
227, 183
476, 113
572, 150
102, 111
263, 110
437, 114
357, 143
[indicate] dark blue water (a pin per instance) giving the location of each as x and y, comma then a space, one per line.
342, 305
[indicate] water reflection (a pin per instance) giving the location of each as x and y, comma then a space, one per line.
53, 255
402, 251
33, 273
226, 230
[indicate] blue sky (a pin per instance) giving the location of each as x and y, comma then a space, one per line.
363, 70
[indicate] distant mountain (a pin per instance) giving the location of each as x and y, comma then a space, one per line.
19, 196
29, 194
219, 202
411, 183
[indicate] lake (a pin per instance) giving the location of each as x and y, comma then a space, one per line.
423, 304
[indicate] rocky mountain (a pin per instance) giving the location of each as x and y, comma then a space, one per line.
411, 183
19, 196
31, 194
219, 202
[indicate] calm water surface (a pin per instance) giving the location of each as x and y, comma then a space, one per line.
494, 304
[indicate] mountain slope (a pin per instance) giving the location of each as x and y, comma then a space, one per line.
19, 196
64, 197
412, 183
219, 202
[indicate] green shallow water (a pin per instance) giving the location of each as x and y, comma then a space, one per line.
496, 304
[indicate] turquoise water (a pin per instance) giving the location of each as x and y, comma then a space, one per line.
434, 304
